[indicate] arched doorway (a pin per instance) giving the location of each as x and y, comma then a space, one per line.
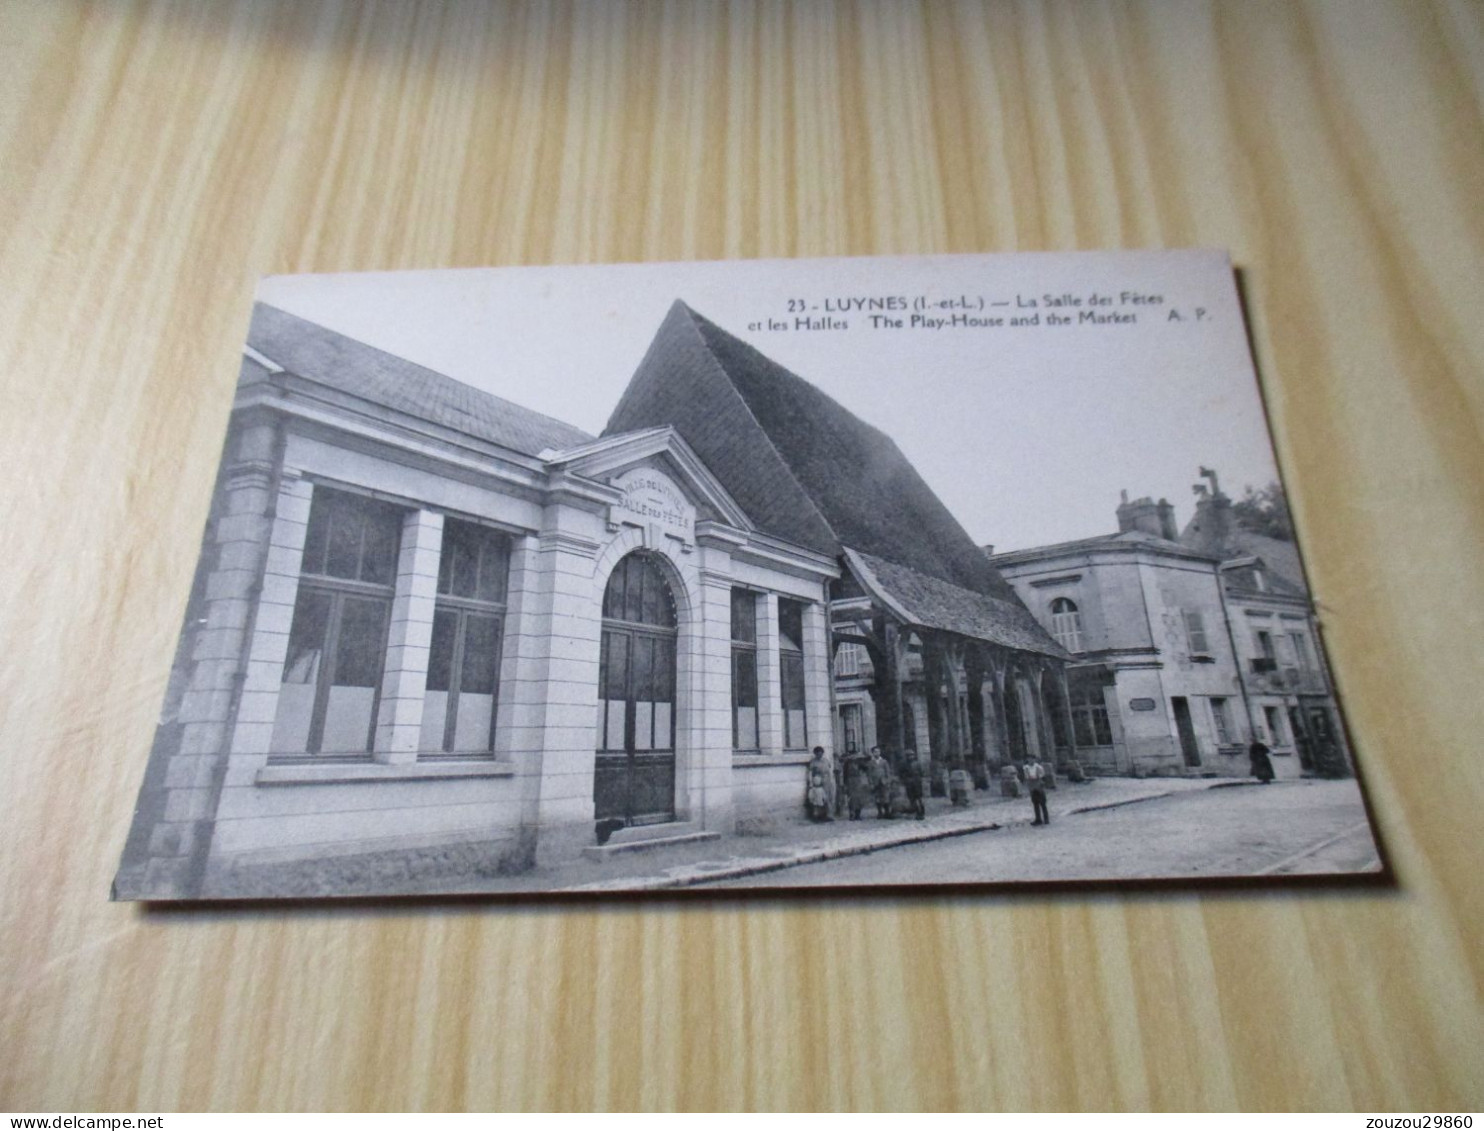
634, 778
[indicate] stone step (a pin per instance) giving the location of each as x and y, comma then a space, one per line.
645, 838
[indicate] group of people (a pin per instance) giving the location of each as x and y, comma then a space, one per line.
862, 780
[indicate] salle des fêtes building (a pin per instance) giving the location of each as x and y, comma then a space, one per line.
435, 634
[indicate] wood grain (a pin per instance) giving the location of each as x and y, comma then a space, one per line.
155, 158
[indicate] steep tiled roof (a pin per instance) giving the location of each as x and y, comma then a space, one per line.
934, 603
803, 466
319, 354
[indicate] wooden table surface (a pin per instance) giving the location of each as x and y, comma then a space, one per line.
155, 158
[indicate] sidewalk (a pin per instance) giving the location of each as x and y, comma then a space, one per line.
800, 842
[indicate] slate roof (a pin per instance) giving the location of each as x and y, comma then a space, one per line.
1131, 538
309, 350
1282, 559
934, 603
803, 466
809, 471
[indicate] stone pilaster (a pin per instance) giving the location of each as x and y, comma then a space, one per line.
167, 847
554, 695
252, 735
405, 680
818, 712
708, 642
769, 677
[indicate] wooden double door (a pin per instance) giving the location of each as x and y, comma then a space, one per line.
634, 774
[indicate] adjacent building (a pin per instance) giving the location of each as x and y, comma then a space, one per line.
1187, 645
436, 635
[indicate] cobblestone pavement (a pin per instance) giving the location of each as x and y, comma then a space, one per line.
799, 842
1292, 828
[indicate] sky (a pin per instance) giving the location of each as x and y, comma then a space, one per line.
1026, 432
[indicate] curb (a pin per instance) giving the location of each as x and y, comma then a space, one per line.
689, 875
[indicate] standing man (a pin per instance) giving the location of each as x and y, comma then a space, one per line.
1035, 779
879, 775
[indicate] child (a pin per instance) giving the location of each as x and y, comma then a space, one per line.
817, 801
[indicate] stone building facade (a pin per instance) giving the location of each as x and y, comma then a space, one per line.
1186, 646
434, 635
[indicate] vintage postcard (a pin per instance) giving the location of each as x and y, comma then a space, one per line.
849, 573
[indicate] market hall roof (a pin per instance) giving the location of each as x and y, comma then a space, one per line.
809, 471
931, 602
309, 350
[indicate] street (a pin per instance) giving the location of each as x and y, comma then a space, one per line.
1282, 829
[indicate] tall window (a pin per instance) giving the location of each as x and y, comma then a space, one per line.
1066, 624
1264, 642
1090, 715
1195, 633
744, 669
1275, 726
1221, 720
337, 639
791, 665
1301, 651
464, 659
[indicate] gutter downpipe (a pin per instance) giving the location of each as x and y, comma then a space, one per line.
1231, 641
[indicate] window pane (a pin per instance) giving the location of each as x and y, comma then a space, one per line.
795, 738
345, 543
791, 625
744, 698
317, 536
618, 665
793, 681
744, 616
664, 738
463, 567
744, 678
348, 720
633, 606
494, 567
301, 671
481, 656
617, 713
358, 651
383, 533
307, 636
474, 722
793, 700
641, 677
440, 655
1103, 729
664, 669
643, 725
746, 728
291, 724
652, 613
435, 720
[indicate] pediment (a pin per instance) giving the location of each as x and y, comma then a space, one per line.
658, 474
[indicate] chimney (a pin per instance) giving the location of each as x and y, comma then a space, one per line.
1211, 528
1167, 528
1143, 514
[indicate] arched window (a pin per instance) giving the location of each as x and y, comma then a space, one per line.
1066, 624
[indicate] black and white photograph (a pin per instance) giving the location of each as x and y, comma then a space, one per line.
889, 573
